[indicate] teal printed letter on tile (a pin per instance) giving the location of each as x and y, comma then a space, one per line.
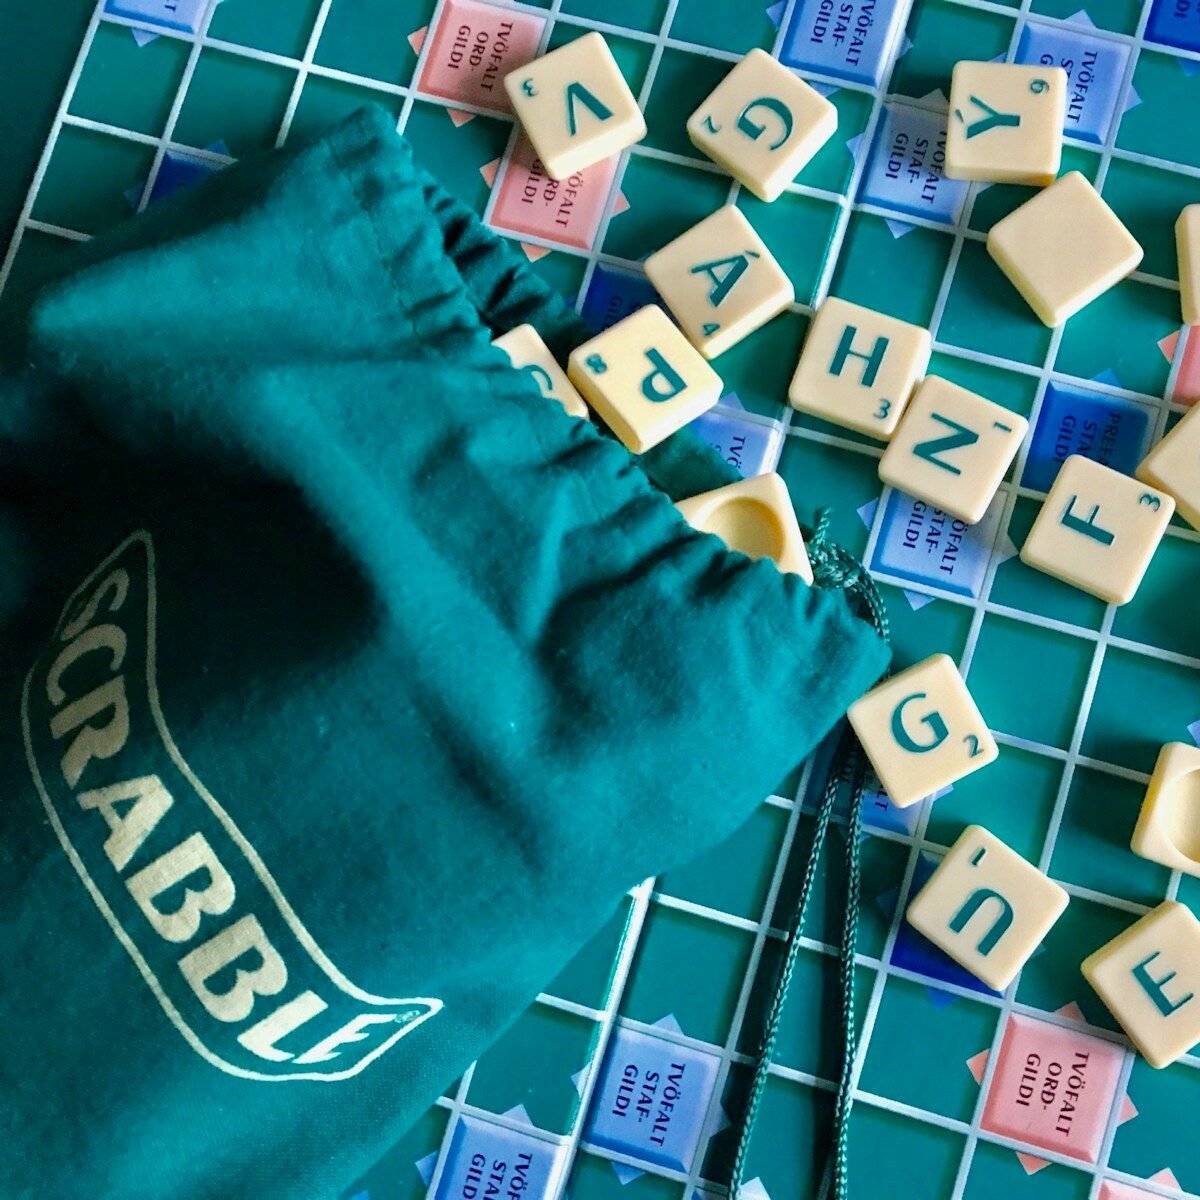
1154, 987
974, 902
1087, 526
937, 726
599, 110
873, 361
674, 383
723, 273
960, 437
753, 130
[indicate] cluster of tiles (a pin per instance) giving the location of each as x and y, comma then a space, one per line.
985, 906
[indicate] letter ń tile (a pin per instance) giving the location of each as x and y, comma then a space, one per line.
952, 449
1187, 242
575, 106
754, 516
762, 124
1174, 466
528, 352
1098, 530
644, 378
1149, 977
1006, 122
922, 731
858, 367
720, 281
1063, 248
1168, 827
987, 907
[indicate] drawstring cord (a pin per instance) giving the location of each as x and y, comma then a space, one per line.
833, 567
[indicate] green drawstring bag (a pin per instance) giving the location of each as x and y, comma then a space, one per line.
346, 683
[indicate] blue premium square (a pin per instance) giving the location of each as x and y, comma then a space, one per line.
177, 171
1095, 67
1107, 430
905, 173
848, 39
488, 1160
167, 14
750, 447
922, 544
652, 1099
1175, 23
614, 295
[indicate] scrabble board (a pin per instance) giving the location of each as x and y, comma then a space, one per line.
624, 1080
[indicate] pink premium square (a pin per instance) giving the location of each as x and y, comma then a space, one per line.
473, 46
1053, 1088
567, 211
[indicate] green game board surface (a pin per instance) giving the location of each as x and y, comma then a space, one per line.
1080, 695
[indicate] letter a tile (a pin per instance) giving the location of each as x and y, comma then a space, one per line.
575, 106
643, 378
1149, 977
987, 907
922, 731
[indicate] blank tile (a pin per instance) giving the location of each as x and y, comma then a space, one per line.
575, 106
1006, 122
528, 352
858, 368
952, 449
720, 281
1187, 242
762, 123
1174, 466
644, 378
987, 907
1168, 827
922, 731
1098, 530
1063, 248
1149, 977
754, 516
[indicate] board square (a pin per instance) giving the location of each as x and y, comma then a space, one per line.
1053, 1088
472, 46
507, 1155
852, 41
566, 211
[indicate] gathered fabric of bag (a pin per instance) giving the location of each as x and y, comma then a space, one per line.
346, 683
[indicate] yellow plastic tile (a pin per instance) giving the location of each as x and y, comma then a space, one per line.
1187, 242
1098, 530
1063, 248
987, 907
756, 517
720, 281
952, 449
858, 367
762, 124
528, 352
1006, 122
922, 731
644, 378
1174, 466
575, 106
1168, 828
1149, 978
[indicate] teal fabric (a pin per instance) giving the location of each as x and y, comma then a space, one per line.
345, 682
